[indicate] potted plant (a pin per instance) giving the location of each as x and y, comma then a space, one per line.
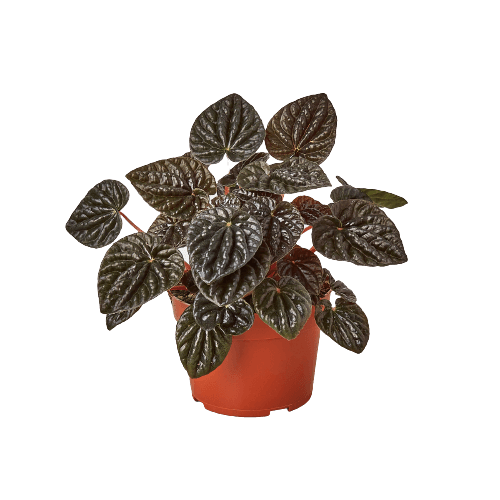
251, 301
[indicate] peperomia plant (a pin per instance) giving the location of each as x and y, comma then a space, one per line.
242, 243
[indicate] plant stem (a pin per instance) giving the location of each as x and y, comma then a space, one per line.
306, 229
130, 222
312, 249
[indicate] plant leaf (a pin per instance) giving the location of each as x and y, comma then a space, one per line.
282, 224
229, 126
383, 198
230, 178
348, 193
291, 176
358, 232
305, 128
171, 231
220, 240
284, 306
96, 221
118, 318
188, 281
246, 194
201, 351
137, 269
305, 267
178, 187
228, 200
236, 285
343, 292
233, 319
310, 209
346, 324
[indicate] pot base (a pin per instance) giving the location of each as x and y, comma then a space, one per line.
252, 413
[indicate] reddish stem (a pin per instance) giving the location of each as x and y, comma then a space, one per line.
312, 249
130, 222
306, 229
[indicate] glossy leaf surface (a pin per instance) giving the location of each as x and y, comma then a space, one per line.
340, 289
310, 209
233, 319
358, 232
136, 269
348, 193
230, 178
305, 267
284, 306
236, 285
178, 187
247, 194
345, 323
292, 176
383, 198
201, 351
230, 126
96, 221
118, 318
305, 128
227, 200
221, 240
171, 231
282, 224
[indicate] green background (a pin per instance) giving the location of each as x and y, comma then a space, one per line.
92, 90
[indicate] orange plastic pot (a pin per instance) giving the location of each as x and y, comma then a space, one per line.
262, 372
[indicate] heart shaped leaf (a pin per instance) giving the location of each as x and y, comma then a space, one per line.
291, 176
358, 232
346, 324
348, 193
201, 351
230, 126
136, 269
310, 209
383, 198
236, 285
305, 128
305, 267
96, 221
171, 231
230, 178
284, 306
221, 240
343, 292
118, 318
233, 319
178, 187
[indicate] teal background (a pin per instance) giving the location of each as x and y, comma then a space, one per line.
92, 90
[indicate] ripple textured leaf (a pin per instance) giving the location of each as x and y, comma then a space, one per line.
305, 128
358, 232
171, 231
346, 324
305, 267
118, 318
96, 221
221, 240
136, 269
178, 187
310, 209
230, 178
284, 306
201, 351
230, 126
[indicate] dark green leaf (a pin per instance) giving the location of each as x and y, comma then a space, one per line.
171, 231
118, 318
230, 126
136, 269
342, 181
346, 324
305, 267
327, 280
201, 351
383, 198
246, 194
233, 319
310, 209
220, 241
188, 281
291, 176
221, 190
342, 291
96, 221
230, 178
305, 128
358, 232
236, 285
178, 187
348, 193
284, 306
228, 200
